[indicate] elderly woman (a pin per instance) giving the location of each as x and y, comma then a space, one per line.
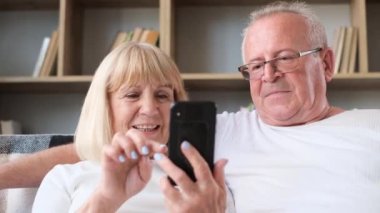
124, 123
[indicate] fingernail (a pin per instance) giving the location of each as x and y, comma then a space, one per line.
144, 150
121, 158
134, 155
185, 145
162, 146
157, 156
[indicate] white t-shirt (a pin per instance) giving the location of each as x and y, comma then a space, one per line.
331, 165
66, 187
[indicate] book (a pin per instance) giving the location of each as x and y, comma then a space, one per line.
336, 40
346, 50
353, 52
150, 36
41, 57
120, 38
136, 35
51, 55
339, 49
10, 127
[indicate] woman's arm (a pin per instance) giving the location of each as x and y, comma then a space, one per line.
29, 171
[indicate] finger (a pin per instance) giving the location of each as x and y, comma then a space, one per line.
169, 191
139, 140
156, 147
200, 167
114, 150
174, 172
145, 169
114, 159
219, 172
144, 146
128, 148
113, 154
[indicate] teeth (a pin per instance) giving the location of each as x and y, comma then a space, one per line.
146, 127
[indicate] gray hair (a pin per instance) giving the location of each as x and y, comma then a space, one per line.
316, 34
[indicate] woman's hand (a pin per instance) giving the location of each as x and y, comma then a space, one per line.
126, 169
207, 194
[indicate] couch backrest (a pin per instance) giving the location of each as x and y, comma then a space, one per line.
15, 146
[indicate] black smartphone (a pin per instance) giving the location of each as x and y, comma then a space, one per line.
192, 121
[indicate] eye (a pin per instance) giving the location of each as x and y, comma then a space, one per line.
132, 95
164, 96
286, 58
255, 67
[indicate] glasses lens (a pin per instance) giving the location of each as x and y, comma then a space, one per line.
287, 63
244, 71
245, 74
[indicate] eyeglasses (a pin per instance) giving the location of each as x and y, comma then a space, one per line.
286, 62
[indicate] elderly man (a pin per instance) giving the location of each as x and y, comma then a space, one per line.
296, 152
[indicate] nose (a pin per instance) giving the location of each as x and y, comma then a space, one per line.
270, 72
149, 106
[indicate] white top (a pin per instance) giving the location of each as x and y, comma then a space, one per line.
66, 187
328, 166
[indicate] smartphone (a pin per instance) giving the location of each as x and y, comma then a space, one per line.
192, 121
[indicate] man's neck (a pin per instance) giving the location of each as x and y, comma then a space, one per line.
294, 120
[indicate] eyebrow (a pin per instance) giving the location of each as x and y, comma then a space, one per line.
124, 88
276, 54
166, 86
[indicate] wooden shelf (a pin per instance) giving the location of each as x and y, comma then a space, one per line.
247, 2
54, 4
29, 4
356, 81
193, 82
65, 84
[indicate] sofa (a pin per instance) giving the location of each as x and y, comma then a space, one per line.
15, 146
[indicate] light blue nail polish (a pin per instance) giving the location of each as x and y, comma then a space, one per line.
121, 158
134, 155
185, 145
144, 150
157, 156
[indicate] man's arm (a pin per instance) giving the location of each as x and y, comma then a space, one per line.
29, 171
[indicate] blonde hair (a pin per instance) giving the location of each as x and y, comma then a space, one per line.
316, 31
131, 64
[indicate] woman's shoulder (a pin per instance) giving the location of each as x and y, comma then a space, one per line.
70, 173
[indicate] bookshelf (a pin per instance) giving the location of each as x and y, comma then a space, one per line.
77, 59
206, 46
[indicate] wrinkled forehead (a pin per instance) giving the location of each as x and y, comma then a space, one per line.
273, 33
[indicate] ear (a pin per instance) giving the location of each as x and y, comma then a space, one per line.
328, 63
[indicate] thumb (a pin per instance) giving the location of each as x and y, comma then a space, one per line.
145, 169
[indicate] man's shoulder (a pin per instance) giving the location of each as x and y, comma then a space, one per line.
237, 115
236, 120
357, 117
362, 113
